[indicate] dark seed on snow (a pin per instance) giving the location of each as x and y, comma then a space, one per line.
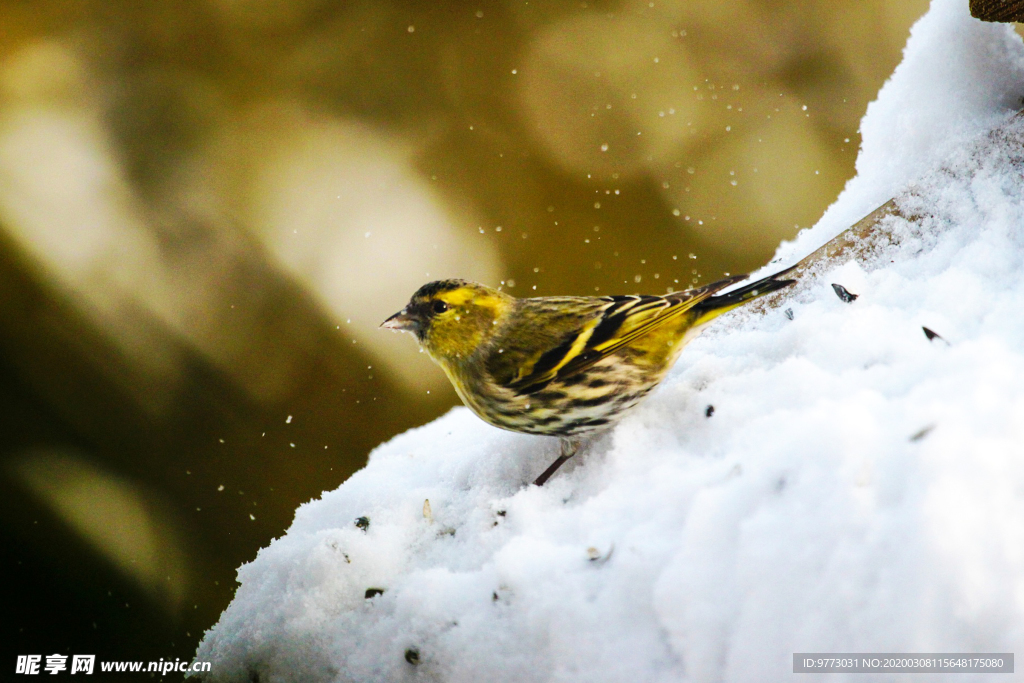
843, 293
922, 433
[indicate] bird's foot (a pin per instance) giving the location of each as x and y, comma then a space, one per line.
569, 448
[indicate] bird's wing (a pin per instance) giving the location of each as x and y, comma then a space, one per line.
621, 320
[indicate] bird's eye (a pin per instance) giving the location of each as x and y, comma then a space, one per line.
439, 306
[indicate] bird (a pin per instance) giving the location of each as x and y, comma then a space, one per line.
562, 366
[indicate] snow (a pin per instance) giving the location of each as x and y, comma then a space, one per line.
858, 488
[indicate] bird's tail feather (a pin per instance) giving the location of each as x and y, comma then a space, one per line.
714, 306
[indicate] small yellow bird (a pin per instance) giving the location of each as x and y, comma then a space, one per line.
564, 366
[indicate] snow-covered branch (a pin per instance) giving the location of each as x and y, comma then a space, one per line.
856, 488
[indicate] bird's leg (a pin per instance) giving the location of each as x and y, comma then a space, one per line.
569, 446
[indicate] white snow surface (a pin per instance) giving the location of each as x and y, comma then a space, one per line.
858, 488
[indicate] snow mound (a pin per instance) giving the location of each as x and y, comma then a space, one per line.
859, 487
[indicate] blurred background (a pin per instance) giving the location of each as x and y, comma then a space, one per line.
207, 208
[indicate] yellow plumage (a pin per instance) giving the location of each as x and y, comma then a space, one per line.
560, 366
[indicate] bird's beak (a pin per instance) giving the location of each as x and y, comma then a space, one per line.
402, 322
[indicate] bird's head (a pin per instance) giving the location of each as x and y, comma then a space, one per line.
452, 318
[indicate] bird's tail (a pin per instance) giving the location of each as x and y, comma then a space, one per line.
714, 306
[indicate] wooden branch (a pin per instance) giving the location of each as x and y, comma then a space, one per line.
998, 10
852, 242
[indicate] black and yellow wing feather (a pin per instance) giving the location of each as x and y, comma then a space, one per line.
601, 329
